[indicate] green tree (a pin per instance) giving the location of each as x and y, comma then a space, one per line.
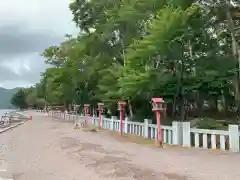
183, 51
40, 103
18, 100
31, 99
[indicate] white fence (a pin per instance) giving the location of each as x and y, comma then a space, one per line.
179, 133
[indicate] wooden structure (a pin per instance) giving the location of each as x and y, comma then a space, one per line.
56, 108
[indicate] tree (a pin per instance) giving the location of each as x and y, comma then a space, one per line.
40, 103
18, 100
183, 51
31, 99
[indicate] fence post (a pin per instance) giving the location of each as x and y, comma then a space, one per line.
146, 128
93, 119
112, 122
186, 134
77, 119
125, 125
103, 120
233, 138
177, 133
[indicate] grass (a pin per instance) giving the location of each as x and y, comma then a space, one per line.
116, 135
131, 138
91, 128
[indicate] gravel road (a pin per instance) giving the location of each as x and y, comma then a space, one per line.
47, 149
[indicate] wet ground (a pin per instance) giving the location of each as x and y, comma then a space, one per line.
48, 149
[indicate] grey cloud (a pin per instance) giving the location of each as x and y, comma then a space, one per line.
26, 29
6, 74
15, 41
35, 64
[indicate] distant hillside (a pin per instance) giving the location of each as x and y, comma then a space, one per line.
5, 97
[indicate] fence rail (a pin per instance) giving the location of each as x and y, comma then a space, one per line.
180, 133
12, 117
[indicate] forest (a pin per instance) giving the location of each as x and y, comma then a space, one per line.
185, 51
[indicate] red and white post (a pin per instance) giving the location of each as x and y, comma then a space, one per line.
121, 108
86, 113
157, 106
100, 111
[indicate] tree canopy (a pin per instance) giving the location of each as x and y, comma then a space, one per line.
133, 50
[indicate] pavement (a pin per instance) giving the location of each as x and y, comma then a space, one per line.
49, 149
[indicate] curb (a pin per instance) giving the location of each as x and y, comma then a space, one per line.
11, 127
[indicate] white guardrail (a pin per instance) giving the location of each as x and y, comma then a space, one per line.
180, 133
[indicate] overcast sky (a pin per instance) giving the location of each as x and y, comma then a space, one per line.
27, 27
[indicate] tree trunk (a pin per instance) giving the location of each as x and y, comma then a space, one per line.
236, 53
130, 108
181, 91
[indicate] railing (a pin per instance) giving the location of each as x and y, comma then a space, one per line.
180, 133
5, 121
8, 118
210, 139
62, 115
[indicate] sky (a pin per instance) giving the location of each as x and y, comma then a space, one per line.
27, 27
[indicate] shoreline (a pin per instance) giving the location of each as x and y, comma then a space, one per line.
11, 118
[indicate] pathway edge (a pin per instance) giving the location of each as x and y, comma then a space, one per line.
11, 127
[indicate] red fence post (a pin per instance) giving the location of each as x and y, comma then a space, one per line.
100, 111
121, 106
157, 106
86, 113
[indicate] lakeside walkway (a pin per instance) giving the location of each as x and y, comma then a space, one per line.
48, 149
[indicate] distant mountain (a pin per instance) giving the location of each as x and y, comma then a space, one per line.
5, 97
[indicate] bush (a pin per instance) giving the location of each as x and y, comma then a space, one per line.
212, 124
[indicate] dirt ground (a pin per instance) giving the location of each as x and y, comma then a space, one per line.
49, 149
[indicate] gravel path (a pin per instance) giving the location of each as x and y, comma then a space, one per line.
46, 149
